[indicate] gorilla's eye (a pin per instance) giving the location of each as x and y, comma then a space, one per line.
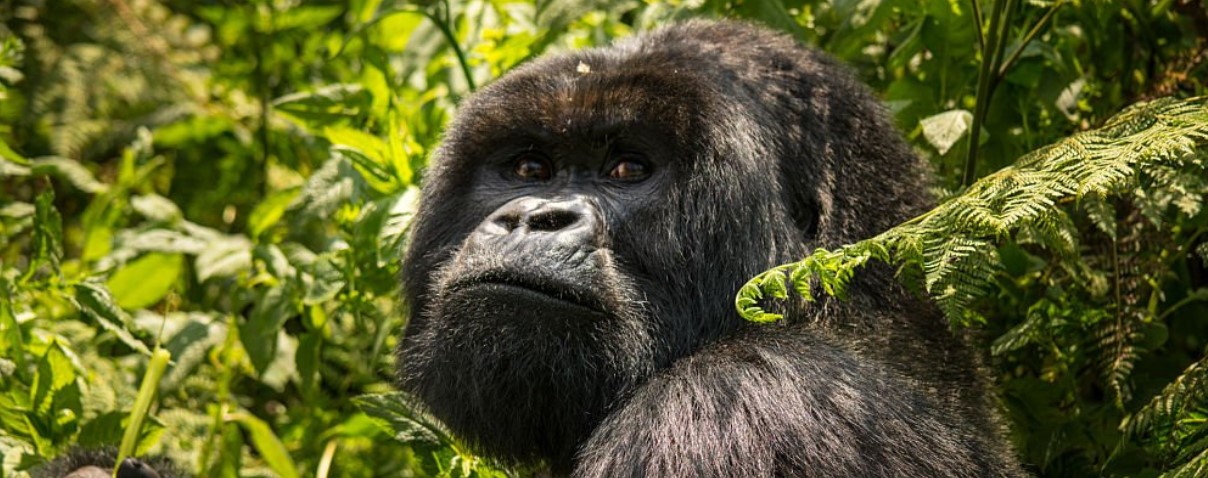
630, 167
531, 166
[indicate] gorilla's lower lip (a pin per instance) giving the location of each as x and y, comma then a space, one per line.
545, 293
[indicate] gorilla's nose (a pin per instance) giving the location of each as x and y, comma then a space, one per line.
573, 221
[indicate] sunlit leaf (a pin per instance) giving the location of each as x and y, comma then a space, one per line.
945, 129
269, 211
146, 280
267, 444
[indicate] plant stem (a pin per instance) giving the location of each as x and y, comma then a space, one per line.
987, 80
977, 20
442, 22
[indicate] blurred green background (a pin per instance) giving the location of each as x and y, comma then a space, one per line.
233, 181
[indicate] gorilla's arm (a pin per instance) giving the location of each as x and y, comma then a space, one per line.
782, 403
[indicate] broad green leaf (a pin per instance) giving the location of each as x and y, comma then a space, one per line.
12, 159
189, 345
94, 300
224, 258
367, 144
267, 444
161, 240
270, 210
324, 107
771, 13
156, 208
54, 373
69, 169
330, 187
143, 282
283, 367
10, 168
259, 333
48, 232
945, 129
398, 219
306, 17
97, 243
325, 281
374, 173
274, 261
103, 430
308, 359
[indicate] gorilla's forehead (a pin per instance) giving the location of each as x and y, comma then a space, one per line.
588, 95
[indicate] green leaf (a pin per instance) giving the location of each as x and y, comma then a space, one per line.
324, 107
259, 333
144, 281
306, 17
224, 258
95, 301
395, 413
800, 278
54, 373
156, 208
945, 129
105, 429
773, 285
267, 444
394, 224
270, 211
328, 188
325, 281
48, 232
12, 159
71, 170
367, 144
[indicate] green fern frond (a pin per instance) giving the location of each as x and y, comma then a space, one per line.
1023, 334
1187, 392
1195, 468
954, 243
1117, 342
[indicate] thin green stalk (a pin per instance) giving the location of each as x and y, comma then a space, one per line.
977, 20
983, 88
142, 405
987, 80
1001, 46
443, 24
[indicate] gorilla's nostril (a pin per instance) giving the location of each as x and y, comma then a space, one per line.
507, 221
552, 219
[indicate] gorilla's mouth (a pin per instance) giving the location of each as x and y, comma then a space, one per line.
541, 288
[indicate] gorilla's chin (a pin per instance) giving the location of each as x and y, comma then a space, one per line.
538, 339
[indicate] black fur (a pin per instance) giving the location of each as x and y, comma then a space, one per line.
90, 463
629, 360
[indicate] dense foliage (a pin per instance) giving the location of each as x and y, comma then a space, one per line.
231, 182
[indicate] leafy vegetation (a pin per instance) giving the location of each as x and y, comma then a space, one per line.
230, 184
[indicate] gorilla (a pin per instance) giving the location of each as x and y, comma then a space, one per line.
585, 225
81, 463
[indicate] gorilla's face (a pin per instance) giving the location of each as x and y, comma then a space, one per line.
576, 235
